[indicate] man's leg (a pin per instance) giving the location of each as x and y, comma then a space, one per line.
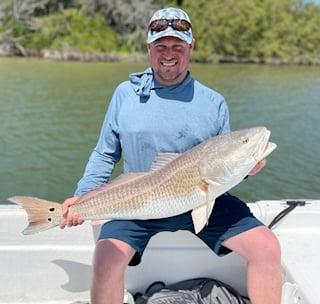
260, 247
111, 258
120, 243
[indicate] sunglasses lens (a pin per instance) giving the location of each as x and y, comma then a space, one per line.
177, 24
159, 25
180, 25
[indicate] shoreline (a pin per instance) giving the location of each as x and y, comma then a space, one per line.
70, 55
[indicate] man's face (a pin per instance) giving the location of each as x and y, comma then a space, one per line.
169, 58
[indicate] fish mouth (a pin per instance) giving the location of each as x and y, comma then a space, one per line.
265, 148
269, 148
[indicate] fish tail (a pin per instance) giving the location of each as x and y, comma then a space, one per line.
42, 214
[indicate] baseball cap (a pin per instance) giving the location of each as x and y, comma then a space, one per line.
173, 22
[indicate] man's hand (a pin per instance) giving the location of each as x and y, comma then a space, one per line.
258, 167
70, 219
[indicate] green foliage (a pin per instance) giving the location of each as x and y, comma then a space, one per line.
16, 28
48, 30
76, 31
254, 30
308, 37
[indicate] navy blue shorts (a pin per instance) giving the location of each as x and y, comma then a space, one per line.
230, 216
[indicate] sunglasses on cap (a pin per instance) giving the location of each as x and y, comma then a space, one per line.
179, 25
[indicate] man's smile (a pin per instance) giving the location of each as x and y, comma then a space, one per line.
169, 64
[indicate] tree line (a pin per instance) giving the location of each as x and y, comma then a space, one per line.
283, 31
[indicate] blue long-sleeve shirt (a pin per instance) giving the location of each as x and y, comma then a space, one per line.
145, 118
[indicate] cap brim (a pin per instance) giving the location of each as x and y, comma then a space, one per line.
170, 32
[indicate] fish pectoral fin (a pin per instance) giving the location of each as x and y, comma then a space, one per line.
200, 216
206, 189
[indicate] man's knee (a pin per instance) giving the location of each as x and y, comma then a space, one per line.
111, 257
259, 243
272, 247
265, 246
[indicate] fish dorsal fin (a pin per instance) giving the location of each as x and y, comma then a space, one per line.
117, 182
201, 214
125, 177
162, 159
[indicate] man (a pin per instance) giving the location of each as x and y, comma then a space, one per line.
165, 110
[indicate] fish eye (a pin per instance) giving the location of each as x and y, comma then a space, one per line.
245, 140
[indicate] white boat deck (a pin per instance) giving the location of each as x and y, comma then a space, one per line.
299, 235
55, 266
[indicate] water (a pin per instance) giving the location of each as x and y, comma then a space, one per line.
51, 113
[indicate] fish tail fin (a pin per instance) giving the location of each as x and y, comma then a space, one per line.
42, 214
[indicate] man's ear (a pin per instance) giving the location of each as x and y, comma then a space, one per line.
148, 48
193, 43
